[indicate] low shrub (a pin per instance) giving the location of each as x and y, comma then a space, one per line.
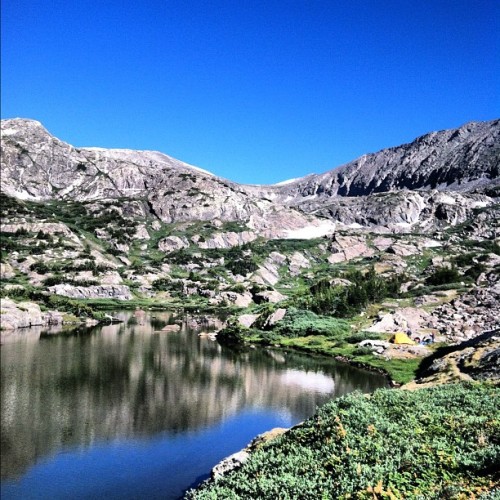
360, 336
303, 323
443, 276
441, 442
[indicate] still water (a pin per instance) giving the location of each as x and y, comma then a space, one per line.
130, 411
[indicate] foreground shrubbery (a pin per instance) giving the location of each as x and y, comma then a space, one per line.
442, 442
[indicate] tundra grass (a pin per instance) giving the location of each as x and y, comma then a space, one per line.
442, 442
400, 371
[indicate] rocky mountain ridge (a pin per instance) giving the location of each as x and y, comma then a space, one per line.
461, 159
464, 162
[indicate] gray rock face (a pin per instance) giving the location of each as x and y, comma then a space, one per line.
469, 315
453, 160
172, 243
19, 315
38, 166
228, 240
230, 463
398, 211
120, 292
247, 320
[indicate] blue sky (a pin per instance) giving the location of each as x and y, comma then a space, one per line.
255, 91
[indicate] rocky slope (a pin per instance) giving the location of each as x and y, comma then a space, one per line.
37, 166
464, 162
460, 159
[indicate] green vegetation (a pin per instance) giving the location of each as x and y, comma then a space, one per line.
307, 331
347, 301
300, 323
444, 275
264, 247
442, 442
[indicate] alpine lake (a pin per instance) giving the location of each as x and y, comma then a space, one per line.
132, 411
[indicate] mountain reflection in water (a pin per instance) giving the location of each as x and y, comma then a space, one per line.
130, 381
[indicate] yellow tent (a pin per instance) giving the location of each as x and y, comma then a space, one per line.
402, 338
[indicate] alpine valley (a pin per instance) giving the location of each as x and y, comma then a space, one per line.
391, 262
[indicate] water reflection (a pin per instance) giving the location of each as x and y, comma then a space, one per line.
133, 380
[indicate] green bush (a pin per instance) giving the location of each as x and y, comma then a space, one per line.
242, 266
442, 442
346, 301
443, 276
475, 271
302, 323
40, 267
167, 285
232, 335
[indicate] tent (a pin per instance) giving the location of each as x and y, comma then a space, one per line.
402, 338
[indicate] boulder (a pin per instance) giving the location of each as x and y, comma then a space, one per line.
238, 459
276, 316
247, 320
52, 318
298, 261
141, 233
411, 318
6, 271
237, 299
19, 315
230, 463
382, 244
172, 243
347, 248
403, 250
268, 273
272, 296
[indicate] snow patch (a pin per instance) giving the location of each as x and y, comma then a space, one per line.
283, 183
480, 204
447, 200
10, 131
22, 195
200, 169
310, 232
431, 244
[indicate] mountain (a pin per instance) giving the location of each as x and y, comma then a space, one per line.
403, 240
464, 162
461, 159
39, 167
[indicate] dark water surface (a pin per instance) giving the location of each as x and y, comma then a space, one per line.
124, 411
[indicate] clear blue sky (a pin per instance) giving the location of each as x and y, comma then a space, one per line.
255, 91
